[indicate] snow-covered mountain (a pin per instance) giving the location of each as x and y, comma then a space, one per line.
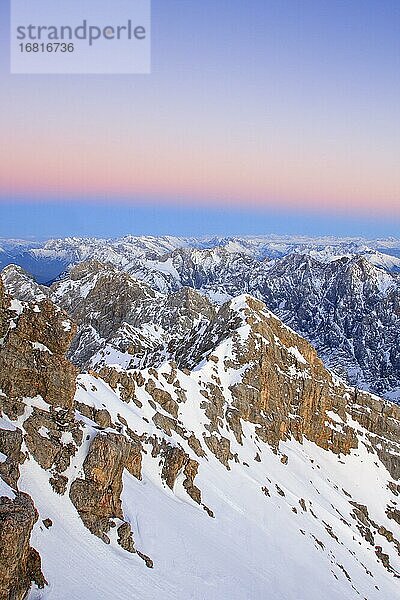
46, 260
244, 470
343, 297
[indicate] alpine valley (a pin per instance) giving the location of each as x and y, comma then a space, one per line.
204, 419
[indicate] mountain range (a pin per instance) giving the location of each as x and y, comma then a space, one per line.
342, 295
192, 451
47, 259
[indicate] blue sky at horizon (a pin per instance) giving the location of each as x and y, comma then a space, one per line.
57, 220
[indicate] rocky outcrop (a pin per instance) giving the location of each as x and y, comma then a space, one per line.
163, 398
4, 317
99, 416
22, 285
126, 383
10, 446
125, 538
285, 390
45, 435
20, 564
371, 531
220, 447
97, 498
33, 367
342, 295
382, 421
32, 353
176, 461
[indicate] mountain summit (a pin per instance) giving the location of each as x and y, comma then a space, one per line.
236, 466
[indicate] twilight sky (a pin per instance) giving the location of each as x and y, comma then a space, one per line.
283, 113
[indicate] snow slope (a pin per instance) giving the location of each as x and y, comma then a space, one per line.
279, 517
254, 547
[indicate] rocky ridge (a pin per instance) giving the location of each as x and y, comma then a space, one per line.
342, 298
246, 423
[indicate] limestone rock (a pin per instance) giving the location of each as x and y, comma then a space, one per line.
10, 446
32, 361
163, 398
125, 538
97, 498
19, 563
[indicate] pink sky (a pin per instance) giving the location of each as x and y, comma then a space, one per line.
300, 109
117, 166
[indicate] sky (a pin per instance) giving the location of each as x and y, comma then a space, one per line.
266, 116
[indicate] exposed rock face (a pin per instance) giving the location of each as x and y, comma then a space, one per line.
163, 398
97, 498
125, 538
126, 382
382, 420
32, 362
33, 342
347, 308
10, 446
20, 564
242, 384
21, 285
4, 304
101, 297
176, 461
289, 409
99, 416
286, 391
308, 283
33, 365
44, 438
115, 312
220, 447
